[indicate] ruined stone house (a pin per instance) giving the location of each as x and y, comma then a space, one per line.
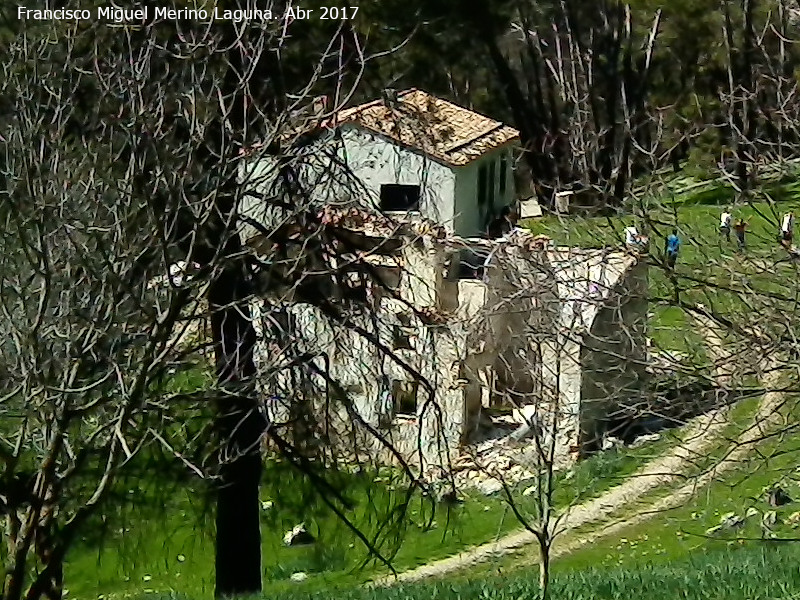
464, 333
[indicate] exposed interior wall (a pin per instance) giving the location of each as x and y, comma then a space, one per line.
614, 357
522, 309
510, 331
353, 162
561, 392
258, 176
422, 281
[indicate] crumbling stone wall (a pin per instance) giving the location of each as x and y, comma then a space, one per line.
614, 358
530, 333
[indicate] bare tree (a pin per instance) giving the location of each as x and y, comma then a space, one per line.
577, 82
100, 200
92, 313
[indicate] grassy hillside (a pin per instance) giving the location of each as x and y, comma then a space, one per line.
165, 540
709, 270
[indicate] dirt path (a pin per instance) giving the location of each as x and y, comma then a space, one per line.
768, 418
721, 349
702, 433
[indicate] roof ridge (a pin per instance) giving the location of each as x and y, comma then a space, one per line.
474, 138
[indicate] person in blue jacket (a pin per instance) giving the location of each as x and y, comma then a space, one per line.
673, 246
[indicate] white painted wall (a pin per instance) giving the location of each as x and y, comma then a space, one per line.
470, 218
375, 161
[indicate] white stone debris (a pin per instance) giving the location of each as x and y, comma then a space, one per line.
298, 536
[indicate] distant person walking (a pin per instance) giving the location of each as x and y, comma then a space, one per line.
739, 228
672, 248
787, 230
725, 225
631, 237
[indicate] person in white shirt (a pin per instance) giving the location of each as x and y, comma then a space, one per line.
788, 225
631, 236
725, 225
787, 231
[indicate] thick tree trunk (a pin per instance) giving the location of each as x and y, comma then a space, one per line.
239, 423
240, 426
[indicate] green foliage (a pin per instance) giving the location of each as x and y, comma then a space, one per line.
749, 573
602, 471
164, 538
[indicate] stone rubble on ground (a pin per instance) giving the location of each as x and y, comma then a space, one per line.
487, 466
298, 536
510, 460
645, 439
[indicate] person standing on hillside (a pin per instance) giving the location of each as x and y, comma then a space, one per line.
787, 230
672, 248
739, 228
725, 224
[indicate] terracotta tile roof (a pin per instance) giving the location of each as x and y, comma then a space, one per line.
443, 130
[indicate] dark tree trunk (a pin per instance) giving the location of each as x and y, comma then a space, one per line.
239, 423
239, 426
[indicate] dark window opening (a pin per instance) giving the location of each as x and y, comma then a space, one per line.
404, 394
490, 183
503, 173
400, 339
398, 197
482, 186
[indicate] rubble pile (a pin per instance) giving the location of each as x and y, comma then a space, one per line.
493, 463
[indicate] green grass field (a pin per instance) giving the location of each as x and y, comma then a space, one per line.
752, 572
684, 532
749, 573
670, 556
163, 538
709, 270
